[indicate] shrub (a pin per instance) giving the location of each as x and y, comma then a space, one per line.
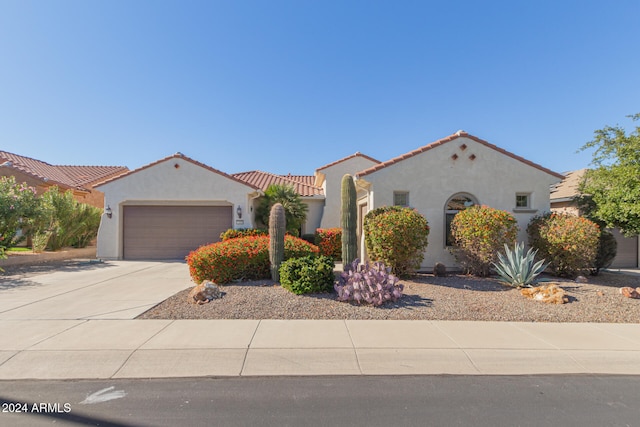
310, 274
234, 233
607, 251
568, 242
368, 284
329, 240
244, 258
479, 233
18, 204
518, 269
397, 236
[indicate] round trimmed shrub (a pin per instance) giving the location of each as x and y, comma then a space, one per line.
568, 242
396, 236
306, 275
234, 233
243, 258
480, 233
607, 251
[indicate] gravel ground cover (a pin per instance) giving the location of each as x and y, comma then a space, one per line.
455, 297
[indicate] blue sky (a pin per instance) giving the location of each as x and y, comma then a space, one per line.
288, 86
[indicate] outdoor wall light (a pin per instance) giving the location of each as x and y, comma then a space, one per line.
108, 211
239, 212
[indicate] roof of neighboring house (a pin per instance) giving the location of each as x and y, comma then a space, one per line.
567, 189
356, 154
303, 184
177, 155
459, 134
77, 177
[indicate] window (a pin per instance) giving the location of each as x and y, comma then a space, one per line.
455, 204
401, 198
522, 200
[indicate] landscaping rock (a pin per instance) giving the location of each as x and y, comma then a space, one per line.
439, 270
581, 279
551, 294
629, 292
204, 292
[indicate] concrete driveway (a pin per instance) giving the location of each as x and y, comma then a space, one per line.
92, 290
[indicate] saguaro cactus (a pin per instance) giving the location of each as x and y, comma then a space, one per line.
277, 229
348, 221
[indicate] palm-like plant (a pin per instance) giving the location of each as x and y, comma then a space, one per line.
518, 269
294, 208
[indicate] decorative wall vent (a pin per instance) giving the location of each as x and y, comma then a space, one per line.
463, 147
472, 157
454, 157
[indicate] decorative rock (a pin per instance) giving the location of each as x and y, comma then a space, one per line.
204, 292
581, 279
630, 292
439, 270
551, 294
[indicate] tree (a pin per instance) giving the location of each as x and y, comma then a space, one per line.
18, 203
613, 186
294, 208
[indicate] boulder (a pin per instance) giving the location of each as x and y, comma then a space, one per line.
204, 292
551, 294
439, 270
581, 279
630, 292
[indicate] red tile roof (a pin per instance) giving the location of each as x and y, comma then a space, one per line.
77, 177
303, 184
459, 134
356, 154
177, 156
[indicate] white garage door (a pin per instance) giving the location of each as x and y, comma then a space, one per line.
171, 232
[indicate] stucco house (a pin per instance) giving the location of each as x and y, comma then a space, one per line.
174, 205
81, 180
562, 200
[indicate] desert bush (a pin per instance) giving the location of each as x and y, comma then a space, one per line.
568, 242
480, 233
517, 268
329, 241
18, 204
607, 251
310, 274
243, 258
396, 236
234, 233
368, 284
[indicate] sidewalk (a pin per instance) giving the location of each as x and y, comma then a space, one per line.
79, 324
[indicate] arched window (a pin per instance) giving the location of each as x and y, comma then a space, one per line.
457, 202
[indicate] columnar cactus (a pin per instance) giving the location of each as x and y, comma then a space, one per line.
277, 229
349, 221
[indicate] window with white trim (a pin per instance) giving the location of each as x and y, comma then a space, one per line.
523, 200
401, 198
457, 202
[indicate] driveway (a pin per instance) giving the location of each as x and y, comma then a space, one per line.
106, 290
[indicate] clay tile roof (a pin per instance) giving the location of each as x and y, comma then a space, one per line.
178, 155
77, 177
450, 138
303, 184
568, 188
356, 154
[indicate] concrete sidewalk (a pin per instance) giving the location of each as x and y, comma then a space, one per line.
78, 324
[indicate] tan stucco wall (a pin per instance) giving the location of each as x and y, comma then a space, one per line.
166, 184
332, 187
432, 177
314, 214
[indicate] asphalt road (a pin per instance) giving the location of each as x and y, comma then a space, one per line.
585, 400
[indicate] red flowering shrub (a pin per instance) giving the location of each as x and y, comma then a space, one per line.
479, 233
569, 243
243, 258
329, 240
397, 236
234, 233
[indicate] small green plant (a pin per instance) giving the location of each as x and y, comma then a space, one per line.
396, 236
518, 269
368, 284
310, 274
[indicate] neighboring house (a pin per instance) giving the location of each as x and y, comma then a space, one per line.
174, 205
562, 200
41, 175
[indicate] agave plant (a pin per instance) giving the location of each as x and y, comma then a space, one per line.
518, 269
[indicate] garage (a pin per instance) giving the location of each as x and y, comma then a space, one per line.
627, 255
171, 232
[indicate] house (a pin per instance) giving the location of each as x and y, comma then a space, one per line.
172, 206
562, 200
80, 180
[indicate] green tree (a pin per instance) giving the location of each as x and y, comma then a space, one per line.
18, 204
294, 208
612, 188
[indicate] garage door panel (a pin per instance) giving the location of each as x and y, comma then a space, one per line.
171, 232
627, 255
